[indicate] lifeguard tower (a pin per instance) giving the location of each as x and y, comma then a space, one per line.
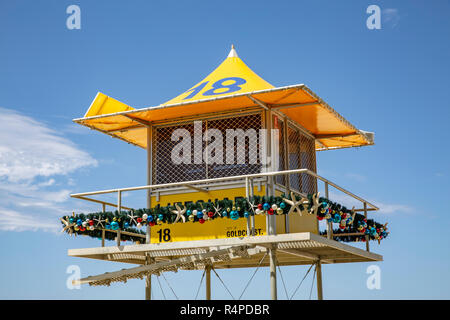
231, 182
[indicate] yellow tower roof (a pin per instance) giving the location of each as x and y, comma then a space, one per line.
231, 86
231, 76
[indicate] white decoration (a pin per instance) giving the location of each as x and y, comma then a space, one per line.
180, 213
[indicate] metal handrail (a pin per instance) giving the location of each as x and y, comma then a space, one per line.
215, 180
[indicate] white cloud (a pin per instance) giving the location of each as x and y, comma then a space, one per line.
390, 16
32, 158
29, 149
11, 220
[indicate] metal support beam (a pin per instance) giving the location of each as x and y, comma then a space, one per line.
148, 279
330, 136
208, 282
319, 280
329, 223
259, 103
367, 236
273, 272
268, 167
141, 121
295, 105
103, 230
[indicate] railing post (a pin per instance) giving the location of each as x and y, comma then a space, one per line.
103, 230
367, 236
253, 216
329, 223
247, 195
148, 278
119, 208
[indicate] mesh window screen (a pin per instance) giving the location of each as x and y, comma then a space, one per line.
279, 124
165, 170
301, 155
230, 150
240, 145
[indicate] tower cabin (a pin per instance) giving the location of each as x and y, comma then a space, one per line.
232, 136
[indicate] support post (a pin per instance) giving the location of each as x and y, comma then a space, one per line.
252, 188
148, 279
367, 236
269, 166
208, 282
329, 223
273, 272
148, 282
119, 208
247, 195
287, 177
103, 230
319, 280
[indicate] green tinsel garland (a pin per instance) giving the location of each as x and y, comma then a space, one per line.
201, 211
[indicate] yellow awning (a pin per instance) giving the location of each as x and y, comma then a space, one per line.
233, 85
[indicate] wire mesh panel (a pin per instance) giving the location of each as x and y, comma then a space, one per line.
207, 149
278, 124
301, 154
240, 145
175, 157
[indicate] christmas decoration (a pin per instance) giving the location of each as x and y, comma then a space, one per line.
352, 226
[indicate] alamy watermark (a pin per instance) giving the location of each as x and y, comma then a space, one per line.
374, 20
74, 20
374, 280
74, 272
228, 147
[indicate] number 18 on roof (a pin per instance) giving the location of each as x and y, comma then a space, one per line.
231, 183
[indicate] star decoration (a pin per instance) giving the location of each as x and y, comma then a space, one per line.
132, 218
252, 206
353, 215
180, 213
67, 225
315, 205
217, 210
295, 204
99, 222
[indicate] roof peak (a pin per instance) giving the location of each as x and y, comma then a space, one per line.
233, 53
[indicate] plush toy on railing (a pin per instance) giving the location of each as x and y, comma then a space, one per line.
349, 221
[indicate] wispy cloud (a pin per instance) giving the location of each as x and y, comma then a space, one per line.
29, 149
11, 220
33, 157
390, 17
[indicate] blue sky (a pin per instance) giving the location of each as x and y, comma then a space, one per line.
393, 81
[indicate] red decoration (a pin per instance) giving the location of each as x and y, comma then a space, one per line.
201, 220
139, 220
260, 206
319, 217
82, 229
91, 222
152, 223
210, 214
270, 211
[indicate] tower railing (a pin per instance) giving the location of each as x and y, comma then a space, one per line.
247, 181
